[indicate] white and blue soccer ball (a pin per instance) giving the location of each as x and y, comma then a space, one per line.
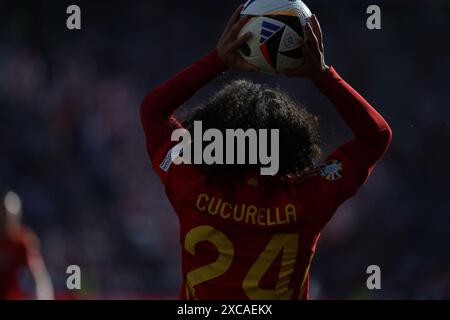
276, 26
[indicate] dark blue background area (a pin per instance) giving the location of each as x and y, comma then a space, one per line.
72, 147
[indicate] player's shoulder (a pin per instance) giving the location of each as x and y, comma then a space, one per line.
331, 170
167, 163
27, 238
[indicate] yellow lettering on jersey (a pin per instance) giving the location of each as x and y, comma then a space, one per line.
214, 269
235, 213
277, 215
211, 204
288, 245
261, 215
222, 210
251, 213
201, 197
270, 222
289, 209
246, 213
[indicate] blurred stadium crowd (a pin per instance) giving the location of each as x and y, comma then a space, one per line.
72, 147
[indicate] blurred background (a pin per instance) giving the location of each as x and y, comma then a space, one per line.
72, 147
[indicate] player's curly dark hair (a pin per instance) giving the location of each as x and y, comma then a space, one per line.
243, 104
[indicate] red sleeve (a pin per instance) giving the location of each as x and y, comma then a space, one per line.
159, 105
372, 134
350, 165
30, 246
22, 255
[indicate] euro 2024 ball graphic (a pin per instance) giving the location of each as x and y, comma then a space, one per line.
276, 26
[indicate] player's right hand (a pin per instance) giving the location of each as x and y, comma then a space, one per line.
314, 66
229, 43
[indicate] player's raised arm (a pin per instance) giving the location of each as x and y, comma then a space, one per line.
159, 105
38, 269
372, 134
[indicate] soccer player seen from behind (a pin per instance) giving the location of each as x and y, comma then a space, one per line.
245, 235
19, 250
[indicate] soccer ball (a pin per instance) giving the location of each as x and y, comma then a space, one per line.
276, 26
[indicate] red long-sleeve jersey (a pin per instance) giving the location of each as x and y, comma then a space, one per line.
251, 236
14, 251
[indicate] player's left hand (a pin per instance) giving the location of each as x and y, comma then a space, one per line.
314, 66
229, 43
